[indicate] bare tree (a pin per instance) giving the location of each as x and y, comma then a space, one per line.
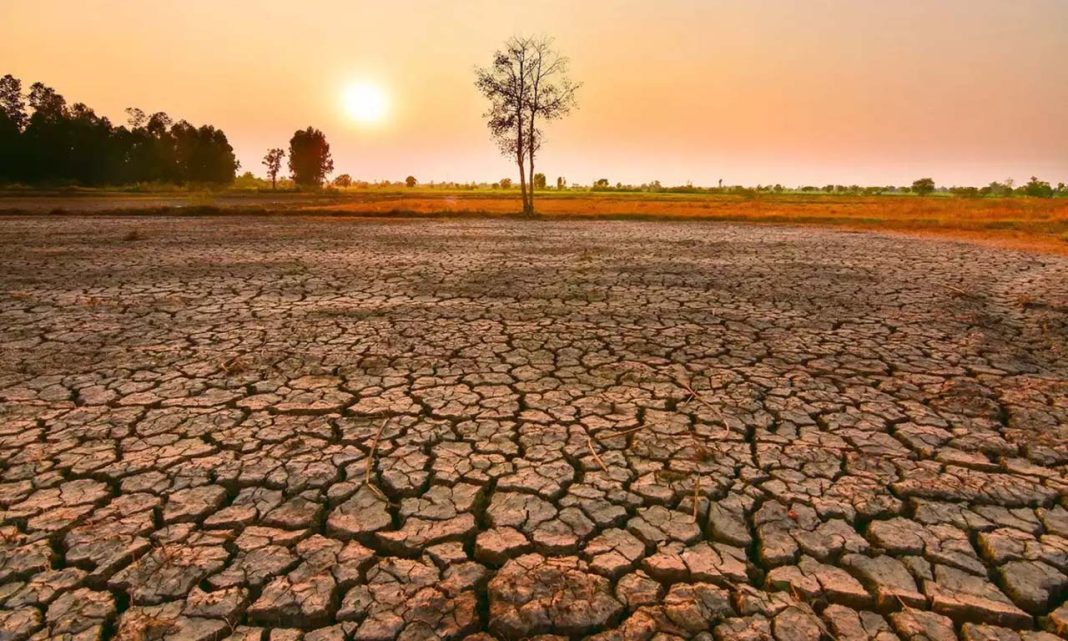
527, 82
273, 162
552, 96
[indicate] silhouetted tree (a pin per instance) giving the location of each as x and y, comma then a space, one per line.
212, 158
61, 142
273, 161
923, 186
527, 81
506, 183
561, 182
12, 120
44, 141
539, 181
309, 157
12, 104
88, 138
344, 180
410, 181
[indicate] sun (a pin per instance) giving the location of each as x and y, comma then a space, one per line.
365, 103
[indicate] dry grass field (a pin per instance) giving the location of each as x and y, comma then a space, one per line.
1039, 224
1019, 223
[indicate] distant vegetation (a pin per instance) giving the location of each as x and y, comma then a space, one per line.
1033, 189
43, 140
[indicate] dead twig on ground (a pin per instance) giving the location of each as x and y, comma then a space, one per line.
593, 452
233, 365
696, 494
369, 470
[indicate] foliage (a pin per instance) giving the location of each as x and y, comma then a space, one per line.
248, 181
539, 181
1036, 188
410, 181
998, 189
964, 192
12, 119
45, 140
344, 180
309, 157
923, 186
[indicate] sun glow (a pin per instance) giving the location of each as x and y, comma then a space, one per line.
365, 103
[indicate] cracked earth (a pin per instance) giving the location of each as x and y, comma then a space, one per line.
276, 429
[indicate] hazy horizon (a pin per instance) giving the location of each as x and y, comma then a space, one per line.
749, 92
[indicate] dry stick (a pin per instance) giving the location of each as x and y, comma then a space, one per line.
589, 444
688, 387
371, 462
630, 431
696, 493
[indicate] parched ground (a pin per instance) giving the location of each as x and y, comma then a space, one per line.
269, 428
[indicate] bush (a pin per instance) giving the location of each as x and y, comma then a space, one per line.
923, 186
1037, 189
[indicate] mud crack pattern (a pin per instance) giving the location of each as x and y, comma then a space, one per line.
287, 429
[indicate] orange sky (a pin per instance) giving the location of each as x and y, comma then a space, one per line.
750, 91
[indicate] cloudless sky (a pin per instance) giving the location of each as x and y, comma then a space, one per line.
750, 91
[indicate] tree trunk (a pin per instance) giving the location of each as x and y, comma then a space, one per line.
523, 181
530, 156
530, 172
520, 160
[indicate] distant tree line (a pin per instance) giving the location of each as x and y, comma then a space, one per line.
1034, 188
44, 140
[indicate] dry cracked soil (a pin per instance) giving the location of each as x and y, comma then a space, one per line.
286, 429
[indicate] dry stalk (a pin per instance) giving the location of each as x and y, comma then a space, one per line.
696, 493
371, 462
593, 452
233, 365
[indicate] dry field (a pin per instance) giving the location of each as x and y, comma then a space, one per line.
215, 427
1017, 223
1038, 224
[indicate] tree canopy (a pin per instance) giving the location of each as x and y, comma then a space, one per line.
43, 139
923, 186
309, 157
